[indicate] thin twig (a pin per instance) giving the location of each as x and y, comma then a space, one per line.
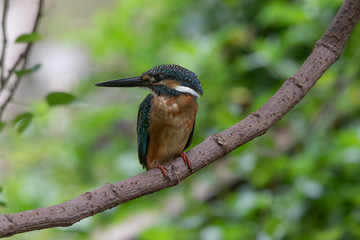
3, 26
22, 58
29, 45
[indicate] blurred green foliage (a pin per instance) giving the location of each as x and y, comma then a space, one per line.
300, 180
30, 37
21, 73
59, 98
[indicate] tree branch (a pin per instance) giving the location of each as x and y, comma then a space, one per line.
12, 85
326, 51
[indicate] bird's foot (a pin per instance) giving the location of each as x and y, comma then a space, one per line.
163, 170
186, 160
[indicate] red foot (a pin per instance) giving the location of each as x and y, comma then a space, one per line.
186, 160
162, 169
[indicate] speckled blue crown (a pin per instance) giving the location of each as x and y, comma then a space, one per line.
176, 72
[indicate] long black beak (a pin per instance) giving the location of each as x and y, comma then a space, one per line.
125, 82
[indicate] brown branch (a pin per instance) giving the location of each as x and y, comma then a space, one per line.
4, 42
12, 86
326, 51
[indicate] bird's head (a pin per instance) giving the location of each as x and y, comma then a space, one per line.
168, 80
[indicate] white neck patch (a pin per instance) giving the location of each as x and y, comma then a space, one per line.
184, 89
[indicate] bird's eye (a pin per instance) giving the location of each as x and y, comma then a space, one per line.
158, 78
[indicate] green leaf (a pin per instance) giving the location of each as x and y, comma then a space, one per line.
2, 125
59, 98
22, 121
24, 72
27, 38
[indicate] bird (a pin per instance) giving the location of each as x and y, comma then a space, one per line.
166, 117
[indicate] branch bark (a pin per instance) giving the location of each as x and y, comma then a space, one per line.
326, 51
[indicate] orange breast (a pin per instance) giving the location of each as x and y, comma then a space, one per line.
171, 122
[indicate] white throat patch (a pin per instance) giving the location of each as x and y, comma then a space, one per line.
184, 89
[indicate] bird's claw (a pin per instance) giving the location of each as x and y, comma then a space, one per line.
186, 160
163, 170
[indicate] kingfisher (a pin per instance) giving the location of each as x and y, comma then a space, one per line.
166, 117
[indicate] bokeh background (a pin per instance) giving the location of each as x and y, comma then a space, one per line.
301, 180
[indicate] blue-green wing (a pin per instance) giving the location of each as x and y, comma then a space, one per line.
143, 123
